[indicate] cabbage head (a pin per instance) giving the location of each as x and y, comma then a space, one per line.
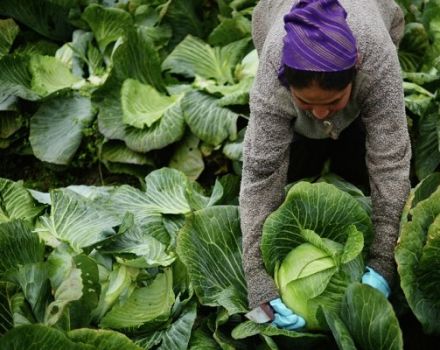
312, 276
314, 245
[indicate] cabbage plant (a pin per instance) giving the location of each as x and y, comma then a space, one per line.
314, 245
417, 254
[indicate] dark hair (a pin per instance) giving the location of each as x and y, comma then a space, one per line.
326, 80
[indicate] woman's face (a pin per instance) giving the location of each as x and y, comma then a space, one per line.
322, 103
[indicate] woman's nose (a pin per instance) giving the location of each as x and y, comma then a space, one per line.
320, 112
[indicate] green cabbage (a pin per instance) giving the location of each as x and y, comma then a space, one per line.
312, 276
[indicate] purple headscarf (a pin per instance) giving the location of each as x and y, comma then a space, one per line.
318, 38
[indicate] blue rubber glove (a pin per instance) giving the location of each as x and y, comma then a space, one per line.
284, 317
375, 280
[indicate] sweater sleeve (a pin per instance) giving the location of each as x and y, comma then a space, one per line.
388, 156
265, 163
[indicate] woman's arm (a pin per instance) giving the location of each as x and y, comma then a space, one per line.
388, 156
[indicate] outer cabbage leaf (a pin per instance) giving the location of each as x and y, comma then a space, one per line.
187, 157
10, 122
373, 327
18, 234
320, 207
139, 242
108, 24
165, 193
145, 304
168, 129
39, 337
101, 339
137, 58
208, 121
16, 202
56, 128
176, 336
76, 220
193, 57
209, 246
8, 32
49, 75
417, 262
426, 153
143, 104
229, 30
184, 18
47, 17
118, 158
413, 47
16, 78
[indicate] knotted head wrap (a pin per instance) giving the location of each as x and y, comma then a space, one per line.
318, 38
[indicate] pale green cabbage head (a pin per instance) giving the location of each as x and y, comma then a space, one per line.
312, 275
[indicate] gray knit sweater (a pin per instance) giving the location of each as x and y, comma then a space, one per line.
377, 96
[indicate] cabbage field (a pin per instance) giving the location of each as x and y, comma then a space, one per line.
121, 130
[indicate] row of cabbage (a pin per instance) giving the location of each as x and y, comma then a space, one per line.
120, 81
73, 76
161, 268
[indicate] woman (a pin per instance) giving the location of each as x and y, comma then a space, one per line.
328, 85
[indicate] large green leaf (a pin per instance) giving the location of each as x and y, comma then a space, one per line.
202, 340
320, 207
6, 317
427, 149
428, 269
300, 340
176, 336
16, 202
168, 129
108, 24
76, 220
193, 57
10, 122
16, 234
229, 30
372, 327
145, 304
136, 240
39, 337
166, 190
143, 104
8, 103
417, 99
208, 121
47, 17
414, 260
33, 280
431, 20
209, 245
49, 75
118, 158
339, 330
117, 152
8, 32
165, 193
101, 339
187, 157
413, 46
184, 18
75, 283
16, 78
56, 128
117, 285
138, 59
